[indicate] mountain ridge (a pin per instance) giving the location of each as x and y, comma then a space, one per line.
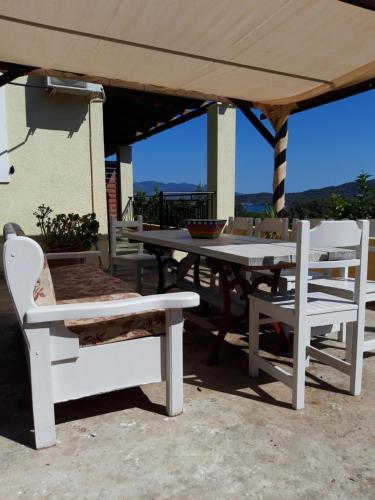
348, 190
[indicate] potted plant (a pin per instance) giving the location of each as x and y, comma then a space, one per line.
66, 232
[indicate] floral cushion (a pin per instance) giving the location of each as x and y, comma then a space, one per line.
83, 283
44, 294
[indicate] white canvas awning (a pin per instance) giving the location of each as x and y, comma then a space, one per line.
270, 52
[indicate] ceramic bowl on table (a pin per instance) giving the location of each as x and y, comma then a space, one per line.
205, 228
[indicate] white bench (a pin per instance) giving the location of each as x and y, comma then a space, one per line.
60, 367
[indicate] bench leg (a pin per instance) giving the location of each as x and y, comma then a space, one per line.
41, 388
174, 361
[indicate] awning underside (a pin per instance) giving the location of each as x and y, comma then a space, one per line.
270, 52
130, 115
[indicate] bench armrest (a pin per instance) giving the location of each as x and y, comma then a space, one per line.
45, 314
72, 255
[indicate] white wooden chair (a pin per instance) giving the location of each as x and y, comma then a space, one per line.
243, 226
240, 225
60, 369
344, 286
135, 260
277, 227
287, 281
304, 310
313, 222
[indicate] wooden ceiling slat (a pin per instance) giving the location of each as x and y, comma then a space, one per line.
130, 115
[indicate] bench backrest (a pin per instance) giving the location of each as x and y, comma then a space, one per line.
23, 261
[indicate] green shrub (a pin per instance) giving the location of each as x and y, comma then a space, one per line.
66, 232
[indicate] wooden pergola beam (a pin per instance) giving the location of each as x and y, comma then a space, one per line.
364, 4
13, 71
244, 107
332, 96
169, 124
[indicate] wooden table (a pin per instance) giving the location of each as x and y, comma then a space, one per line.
226, 256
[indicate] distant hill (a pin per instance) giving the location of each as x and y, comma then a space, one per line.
148, 186
347, 190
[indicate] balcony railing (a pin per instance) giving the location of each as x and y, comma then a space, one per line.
171, 209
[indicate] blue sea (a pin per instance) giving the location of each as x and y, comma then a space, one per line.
254, 208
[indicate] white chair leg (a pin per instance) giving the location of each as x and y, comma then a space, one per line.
299, 366
41, 388
349, 342
356, 361
308, 342
174, 361
341, 335
253, 339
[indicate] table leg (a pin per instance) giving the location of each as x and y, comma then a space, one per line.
179, 269
226, 271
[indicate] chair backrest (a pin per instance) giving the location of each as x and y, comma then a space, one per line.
274, 228
240, 225
313, 223
116, 228
372, 228
328, 235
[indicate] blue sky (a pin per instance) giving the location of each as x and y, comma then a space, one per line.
328, 145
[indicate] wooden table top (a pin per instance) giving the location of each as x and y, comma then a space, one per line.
244, 250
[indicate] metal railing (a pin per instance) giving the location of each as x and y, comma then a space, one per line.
171, 209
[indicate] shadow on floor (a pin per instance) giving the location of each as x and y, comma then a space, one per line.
16, 421
230, 376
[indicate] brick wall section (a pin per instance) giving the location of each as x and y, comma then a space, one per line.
112, 189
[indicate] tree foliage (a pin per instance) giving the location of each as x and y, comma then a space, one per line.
359, 206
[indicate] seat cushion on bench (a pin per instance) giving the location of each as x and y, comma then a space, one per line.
44, 294
83, 283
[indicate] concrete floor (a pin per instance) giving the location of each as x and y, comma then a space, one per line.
237, 438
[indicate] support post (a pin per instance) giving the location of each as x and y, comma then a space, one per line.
125, 162
279, 172
278, 117
221, 149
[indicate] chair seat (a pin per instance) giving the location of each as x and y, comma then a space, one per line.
318, 303
287, 274
342, 286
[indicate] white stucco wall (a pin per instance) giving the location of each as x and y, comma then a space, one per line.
49, 146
